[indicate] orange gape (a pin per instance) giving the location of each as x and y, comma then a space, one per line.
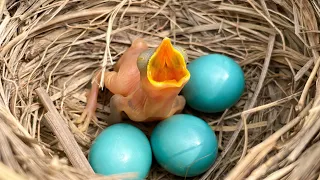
146, 84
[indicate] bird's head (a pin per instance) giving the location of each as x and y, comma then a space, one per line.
165, 66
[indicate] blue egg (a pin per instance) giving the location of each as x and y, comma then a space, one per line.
216, 83
121, 148
184, 145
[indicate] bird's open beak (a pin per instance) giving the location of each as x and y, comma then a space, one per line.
167, 67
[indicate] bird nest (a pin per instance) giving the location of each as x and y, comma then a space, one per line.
51, 49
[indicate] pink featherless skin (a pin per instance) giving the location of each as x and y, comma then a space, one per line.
134, 94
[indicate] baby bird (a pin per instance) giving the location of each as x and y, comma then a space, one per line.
145, 82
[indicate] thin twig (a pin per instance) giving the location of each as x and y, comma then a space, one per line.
243, 164
8, 173
61, 130
306, 88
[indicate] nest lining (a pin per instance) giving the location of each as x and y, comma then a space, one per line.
58, 45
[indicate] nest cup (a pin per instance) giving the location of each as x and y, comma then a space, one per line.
58, 45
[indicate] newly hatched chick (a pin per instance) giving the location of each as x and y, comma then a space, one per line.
146, 84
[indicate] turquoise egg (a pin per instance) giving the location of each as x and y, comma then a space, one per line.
121, 148
184, 145
216, 83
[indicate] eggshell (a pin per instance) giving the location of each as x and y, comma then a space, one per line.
121, 148
184, 145
216, 83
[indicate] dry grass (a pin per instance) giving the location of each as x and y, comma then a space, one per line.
271, 133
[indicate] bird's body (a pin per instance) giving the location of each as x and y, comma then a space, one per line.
146, 84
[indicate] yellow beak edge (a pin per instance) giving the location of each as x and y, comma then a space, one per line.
167, 67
